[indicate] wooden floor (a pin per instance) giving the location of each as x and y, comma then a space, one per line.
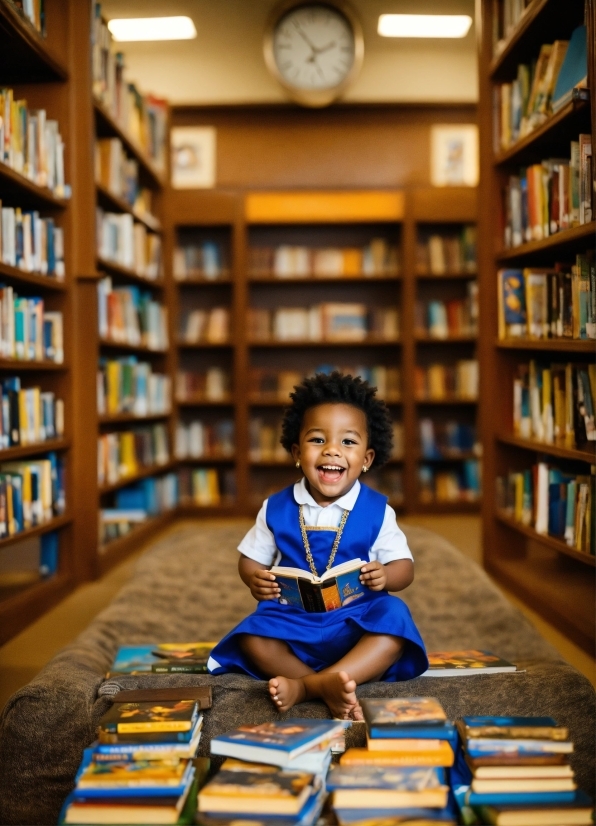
26, 654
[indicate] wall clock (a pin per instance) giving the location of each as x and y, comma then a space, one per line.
314, 49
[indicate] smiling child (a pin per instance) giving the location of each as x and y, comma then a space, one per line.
336, 430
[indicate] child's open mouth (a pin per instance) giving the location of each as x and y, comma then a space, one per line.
330, 473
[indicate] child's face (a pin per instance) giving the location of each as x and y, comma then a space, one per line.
332, 450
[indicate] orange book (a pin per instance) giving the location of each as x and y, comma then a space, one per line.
442, 756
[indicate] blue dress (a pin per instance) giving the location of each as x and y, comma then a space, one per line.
321, 639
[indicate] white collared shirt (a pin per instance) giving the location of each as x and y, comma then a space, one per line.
390, 544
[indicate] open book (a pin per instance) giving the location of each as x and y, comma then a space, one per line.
338, 586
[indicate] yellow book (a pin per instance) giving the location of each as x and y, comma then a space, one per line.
519, 497
113, 389
23, 418
352, 261
128, 459
558, 379
569, 428
442, 756
37, 417
26, 493
10, 521
213, 487
547, 406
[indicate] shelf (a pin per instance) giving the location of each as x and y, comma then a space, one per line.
421, 338
368, 342
207, 460
131, 348
447, 507
267, 401
18, 364
328, 279
51, 525
22, 191
560, 240
129, 275
564, 345
447, 276
154, 470
552, 450
445, 401
115, 551
548, 541
107, 126
22, 451
20, 277
572, 118
31, 59
201, 281
455, 457
21, 609
117, 418
200, 401
272, 463
115, 202
202, 345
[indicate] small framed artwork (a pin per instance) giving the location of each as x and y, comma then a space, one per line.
454, 155
193, 157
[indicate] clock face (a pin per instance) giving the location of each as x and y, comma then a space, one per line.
313, 47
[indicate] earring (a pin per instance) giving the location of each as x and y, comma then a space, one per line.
297, 464
364, 469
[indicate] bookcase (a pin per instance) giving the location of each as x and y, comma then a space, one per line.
523, 545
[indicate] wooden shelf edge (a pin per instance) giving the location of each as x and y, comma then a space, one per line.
553, 450
21, 364
46, 527
21, 451
463, 457
117, 550
420, 338
197, 281
369, 342
571, 345
44, 282
201, 402
131, 348
22, 609
117, 418
526, 20
21, 28
328, 279
154, 470
150, 221
447, 276
45, 196
445, 401
548, 541
206, 460
113, 268
559, 239
200, 345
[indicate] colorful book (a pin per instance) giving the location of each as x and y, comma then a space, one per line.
149, 750
577, 812
141, 718
406, 717
479, 747
132, 774
442, 756
138, 659
466, 662
509, 728
276, 743
393, 817
337, 587
364, 787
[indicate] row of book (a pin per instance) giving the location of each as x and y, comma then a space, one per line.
456, 317
201, 260
212, 326
136, 503
33, 10
267, 383
549, 197
324, 322
144, 118
545, 303
31, 493
29, 415
555, 403
506, 17
445, 254
122, 240
447, 440
126, 385
438, 382
452, 485
126, 453
29, 332
207, 487
541, 88
128, 315
377, 258
31, 144
390, 482
202, 440
119, 174
31, 243
553, 502
214, 385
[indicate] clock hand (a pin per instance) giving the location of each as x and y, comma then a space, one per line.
304, 36
320, 49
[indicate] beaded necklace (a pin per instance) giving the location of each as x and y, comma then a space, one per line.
309, 557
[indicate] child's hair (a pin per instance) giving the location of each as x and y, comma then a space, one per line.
335, 388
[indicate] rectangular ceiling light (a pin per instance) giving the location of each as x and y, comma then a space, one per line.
152, 28
424, 25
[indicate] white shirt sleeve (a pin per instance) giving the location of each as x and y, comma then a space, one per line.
391, 542
259, 544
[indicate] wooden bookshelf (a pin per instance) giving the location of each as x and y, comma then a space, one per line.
544, 571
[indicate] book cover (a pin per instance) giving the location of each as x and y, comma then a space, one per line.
138, 773
202, 694
522, 784
466, 662
136, 718
121, 792
306, 816
337, 587
139, 810
392, 817
403, 711
577, 812
523, 728
479, 747
442, 756
374, 786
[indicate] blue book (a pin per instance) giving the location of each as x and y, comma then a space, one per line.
354, 816
308, 815
134, 658
49, 553
574, 68
407, 717
337, 587
492, 747
519, 799
275, 743
387, 787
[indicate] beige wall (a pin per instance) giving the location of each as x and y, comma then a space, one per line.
224, 64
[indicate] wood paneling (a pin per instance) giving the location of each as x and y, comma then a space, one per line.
323, 207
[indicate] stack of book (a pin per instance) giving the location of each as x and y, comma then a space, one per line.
549, 303
378, 258
29, 415
162, 658
200, 440
264, 441
31, 492
126, 453
400, 775
447, 254
456, 317
141, 769
128, 315
31, 243
553, 502
555, 403
324, 322
123, 241
460, 484
514, 771
126, 385
119, 174
207, 487
31, 144
438, 382
28, 331
204, 260
136, 503
268, 383
446, 440
273, 770
211, 326
213, 385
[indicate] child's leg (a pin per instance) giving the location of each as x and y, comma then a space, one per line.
272, 656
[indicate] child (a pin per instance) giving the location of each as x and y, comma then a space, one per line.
335, 430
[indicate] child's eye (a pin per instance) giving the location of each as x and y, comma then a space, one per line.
318, 440
348, 442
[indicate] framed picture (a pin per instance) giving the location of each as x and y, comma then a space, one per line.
454, 155
193, 157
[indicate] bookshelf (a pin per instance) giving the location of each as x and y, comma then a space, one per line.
547, 571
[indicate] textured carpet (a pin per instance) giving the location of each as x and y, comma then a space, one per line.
187, 587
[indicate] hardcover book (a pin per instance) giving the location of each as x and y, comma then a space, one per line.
406, 717
466, 662
442, 756
393, 817
337, 587
479, 747
577, 812
276, 743
364, 787
160, 810
137, 718
138, 659
137, 774
202, 694
512, 728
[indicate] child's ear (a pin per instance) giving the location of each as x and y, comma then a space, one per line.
296, 453
369, 457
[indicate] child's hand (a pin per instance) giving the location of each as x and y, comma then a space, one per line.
263, 586
374, 576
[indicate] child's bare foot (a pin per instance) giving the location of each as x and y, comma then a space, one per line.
286, 692
337, 689
357, 713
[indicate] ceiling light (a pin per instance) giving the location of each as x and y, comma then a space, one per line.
424, 25
153, 28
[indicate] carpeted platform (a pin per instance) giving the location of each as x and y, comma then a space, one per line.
187, 587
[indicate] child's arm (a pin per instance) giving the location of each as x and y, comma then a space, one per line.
394, 576
259, 579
